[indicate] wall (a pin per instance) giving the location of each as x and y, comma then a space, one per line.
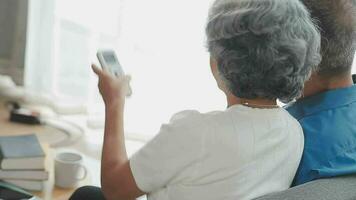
13, 22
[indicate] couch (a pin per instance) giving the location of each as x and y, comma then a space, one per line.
338, 188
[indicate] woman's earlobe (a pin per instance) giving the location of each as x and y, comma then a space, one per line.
213, 64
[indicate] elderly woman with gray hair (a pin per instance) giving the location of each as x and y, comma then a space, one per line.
261, 51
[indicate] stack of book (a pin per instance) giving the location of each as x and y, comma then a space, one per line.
22, 162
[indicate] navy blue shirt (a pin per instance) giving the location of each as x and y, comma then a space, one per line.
329, 124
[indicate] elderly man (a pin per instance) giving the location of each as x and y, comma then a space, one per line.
327, 111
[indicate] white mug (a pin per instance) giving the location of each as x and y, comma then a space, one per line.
69, 169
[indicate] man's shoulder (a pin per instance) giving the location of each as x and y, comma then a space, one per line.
329, 100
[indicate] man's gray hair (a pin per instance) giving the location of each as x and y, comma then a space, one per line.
263, 48
337, 21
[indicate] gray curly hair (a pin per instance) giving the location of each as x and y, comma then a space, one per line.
263, 48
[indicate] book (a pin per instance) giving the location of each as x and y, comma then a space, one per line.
24, 174
29, 174
27, 184
21, 153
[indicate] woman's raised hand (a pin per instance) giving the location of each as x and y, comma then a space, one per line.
113, 89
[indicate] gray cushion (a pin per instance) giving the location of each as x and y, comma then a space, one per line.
340, 188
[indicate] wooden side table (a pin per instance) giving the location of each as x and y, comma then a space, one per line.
46, 135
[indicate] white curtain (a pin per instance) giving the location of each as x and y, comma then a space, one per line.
161, 43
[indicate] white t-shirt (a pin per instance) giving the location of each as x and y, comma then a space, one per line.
240, 153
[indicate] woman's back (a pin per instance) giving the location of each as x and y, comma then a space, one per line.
240, 153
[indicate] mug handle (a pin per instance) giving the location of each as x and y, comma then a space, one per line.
85, 172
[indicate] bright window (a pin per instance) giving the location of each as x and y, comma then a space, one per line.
160, 43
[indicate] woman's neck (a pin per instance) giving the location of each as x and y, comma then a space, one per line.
258, 103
